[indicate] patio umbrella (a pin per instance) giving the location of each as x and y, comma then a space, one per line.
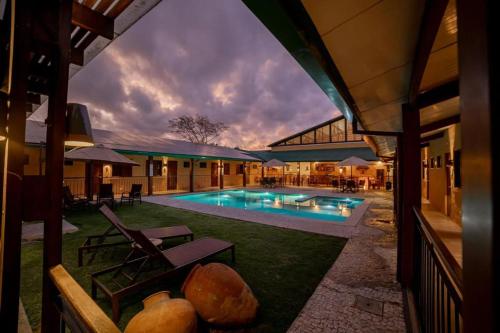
353, 161
98, 153
276, 163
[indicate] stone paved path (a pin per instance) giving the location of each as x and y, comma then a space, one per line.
360, 292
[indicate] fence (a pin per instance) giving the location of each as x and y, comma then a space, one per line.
438, 282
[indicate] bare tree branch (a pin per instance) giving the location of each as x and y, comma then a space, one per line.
197, 129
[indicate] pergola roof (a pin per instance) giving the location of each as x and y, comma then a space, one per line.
131, 143
316, 155
379, 55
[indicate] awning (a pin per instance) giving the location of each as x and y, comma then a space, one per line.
100, 154
275, 163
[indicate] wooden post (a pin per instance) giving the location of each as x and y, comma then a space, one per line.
298, 177
479, 105
191, 176
149, 173
221, 174
410, 192
13, 171
89, 180
56, 115
244, 174
262, 170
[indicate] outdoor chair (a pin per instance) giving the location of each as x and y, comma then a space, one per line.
335, 184
173, 260
106, 195
70, 201
117, 228
351, 186
361, 184
134, 194
272, 182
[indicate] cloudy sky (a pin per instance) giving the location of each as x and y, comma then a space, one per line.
201, 57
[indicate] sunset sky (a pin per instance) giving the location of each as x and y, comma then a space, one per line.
212, 58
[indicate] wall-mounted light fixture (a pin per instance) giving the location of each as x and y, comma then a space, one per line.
78, 128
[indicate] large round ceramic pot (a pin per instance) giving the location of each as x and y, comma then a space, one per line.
220, 296
162, 314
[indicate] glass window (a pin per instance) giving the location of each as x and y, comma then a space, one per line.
308, 138
323, 134
351, 136
227, 170
338, 131
294, 141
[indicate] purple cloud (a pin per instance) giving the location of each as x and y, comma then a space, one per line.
201, 57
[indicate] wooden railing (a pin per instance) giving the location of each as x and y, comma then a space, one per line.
438, 282
78, 311
76, 185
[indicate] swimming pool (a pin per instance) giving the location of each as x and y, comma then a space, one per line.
300, 205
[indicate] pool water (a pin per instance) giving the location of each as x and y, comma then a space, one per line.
300, 205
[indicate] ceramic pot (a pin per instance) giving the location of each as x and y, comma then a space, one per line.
165, 315
220, 296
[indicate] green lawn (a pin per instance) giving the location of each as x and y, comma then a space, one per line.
283, 267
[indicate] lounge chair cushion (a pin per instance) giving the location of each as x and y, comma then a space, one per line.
188, 253
167, 232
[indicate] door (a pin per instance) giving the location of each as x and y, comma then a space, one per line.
381, 177
214, 175
171, 175
96, 176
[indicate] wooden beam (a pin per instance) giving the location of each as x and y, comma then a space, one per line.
410, 192
149, 173
478, 54
33, 98
191, 176
221, 175
438, 94
38, 87
56, 120
355, 130
88, 19
12, 205
440, 124
429, 26
432, 137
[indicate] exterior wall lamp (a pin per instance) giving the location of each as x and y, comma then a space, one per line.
78, 128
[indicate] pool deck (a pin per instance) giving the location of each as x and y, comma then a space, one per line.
344, 229
360, 292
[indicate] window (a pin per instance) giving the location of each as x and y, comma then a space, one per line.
186, 164
26, 159
240, 169
227, 170
323, 134
254, 166
294, 141
157, 168
350, 135
203, 165
438, 161
433, 165
119, 170
308, 138
338, 130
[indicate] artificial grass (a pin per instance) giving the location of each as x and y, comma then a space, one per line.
283, 267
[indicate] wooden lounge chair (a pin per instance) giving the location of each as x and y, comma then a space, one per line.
70, 201
174, 260
134, 194
95, 242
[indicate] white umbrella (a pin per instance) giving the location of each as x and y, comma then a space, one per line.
276, 163
353, 161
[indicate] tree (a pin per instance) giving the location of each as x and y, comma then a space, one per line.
197, 129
